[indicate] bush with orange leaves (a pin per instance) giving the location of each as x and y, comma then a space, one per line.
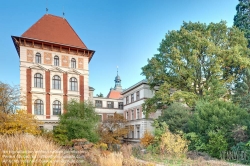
147, 139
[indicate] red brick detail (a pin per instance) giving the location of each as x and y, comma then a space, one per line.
29, 55
29, 94
80, 63
65, 89
65, 61
104, 116
47, 58
47, 89
81, 88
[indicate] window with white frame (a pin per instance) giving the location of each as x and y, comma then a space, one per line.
132, 114
127, 100
73, 63
137, 113
56, 82
73, 84
120, 105
38, 58
132, 98
38, 107
98, 104
110, 104
138, 131
38, 80
57, 107
56, 60
137, 95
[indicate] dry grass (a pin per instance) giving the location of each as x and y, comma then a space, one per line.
26, 149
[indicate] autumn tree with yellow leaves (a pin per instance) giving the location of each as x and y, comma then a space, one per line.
113, 129
21, 122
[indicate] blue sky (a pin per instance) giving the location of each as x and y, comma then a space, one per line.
123, 33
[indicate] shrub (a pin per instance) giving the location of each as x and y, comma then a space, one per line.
147, 138
173, 144
21, 122
217, 143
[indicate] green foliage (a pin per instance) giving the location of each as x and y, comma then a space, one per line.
213, 124
217, 115
197, 61
176, 117
80, 121
217, 144
242, 19
242, 91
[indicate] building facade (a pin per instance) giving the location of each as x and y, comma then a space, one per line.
53, 68
137, 123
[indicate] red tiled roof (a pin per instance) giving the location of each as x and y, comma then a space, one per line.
54, 29
113, 94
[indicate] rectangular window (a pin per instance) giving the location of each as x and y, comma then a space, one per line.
138, 132
132, 114
120, 105
110, 116
110, 104
132, 134
127, 115
127, 101
137, 95
132, 98
137, 114
98, 104
100, 118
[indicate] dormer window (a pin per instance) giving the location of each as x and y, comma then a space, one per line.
73, 63
38, 58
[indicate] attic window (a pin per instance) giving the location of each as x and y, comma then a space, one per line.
38, 57
56, 60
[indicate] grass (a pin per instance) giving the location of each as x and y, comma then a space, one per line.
24, 149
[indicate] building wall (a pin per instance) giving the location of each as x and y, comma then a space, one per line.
28, 68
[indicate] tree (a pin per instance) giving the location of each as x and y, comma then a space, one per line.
99, 95
113, 129
9, 98
242, 18
197, 61
79, 121
217, 120
242, 91
21, 122
176, 117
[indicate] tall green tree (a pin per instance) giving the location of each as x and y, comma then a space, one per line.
242, 18
197, 61
176, 117
242, 91
79, 121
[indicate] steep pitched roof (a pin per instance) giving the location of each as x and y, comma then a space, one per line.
54, 29
113, 94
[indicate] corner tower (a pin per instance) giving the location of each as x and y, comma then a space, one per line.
53, 67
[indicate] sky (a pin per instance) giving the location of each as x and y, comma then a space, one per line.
122, 33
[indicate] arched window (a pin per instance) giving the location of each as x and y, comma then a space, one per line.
56, 107
73, 84
56, 82
38, 107
56, 60
38, 58
38, 80
73, 63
